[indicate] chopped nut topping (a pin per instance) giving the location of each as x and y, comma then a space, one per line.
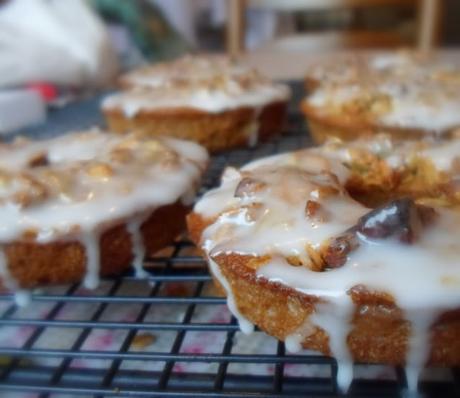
325, 191
316, 262
100, 170
337, 249
312, 208
294, 261
32, 191
401, 219
57, 181
128, 143
154, 146
121, 155
38, 160
248, 186
170, 160
327, 185
314, 211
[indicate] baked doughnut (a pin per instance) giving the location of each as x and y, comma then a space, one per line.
300, 257
90, 203
186, 70
403, 93
207, 99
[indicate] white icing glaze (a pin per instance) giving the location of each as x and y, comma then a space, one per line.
422, 108
134, 228
334, 317
203, 99
90, 241
293, 342
423, 92
269, 219
212, 84
419, 345
91, 182
131, 189
21, 297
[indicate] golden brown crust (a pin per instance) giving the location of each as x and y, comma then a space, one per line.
33, 264
379, 331
215, 131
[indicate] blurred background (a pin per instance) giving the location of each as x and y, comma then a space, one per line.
151, 30
57, 48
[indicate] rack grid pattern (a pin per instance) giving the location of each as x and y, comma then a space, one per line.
53, 357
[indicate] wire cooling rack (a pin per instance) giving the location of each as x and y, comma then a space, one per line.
170, 335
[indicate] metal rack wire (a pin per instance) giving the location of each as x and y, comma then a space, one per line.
50, 354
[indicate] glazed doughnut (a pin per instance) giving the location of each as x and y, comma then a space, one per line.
407, 94
207, 99
298, 254
90, 203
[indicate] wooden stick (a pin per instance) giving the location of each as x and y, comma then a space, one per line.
235, 27
429, 18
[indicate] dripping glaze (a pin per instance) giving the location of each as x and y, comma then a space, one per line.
90, 182
271, 220
211, 84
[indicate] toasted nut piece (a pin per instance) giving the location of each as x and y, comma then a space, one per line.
380, 104
327, 185
294, 261
311, 208
323, 192
38, 160
248, 186
154, 146
257, 262
314, 211
57, 182
336, 250
316, 262
401, 218
169, 159
32, 192
100, 170
218, 82
121, 155
128, 143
